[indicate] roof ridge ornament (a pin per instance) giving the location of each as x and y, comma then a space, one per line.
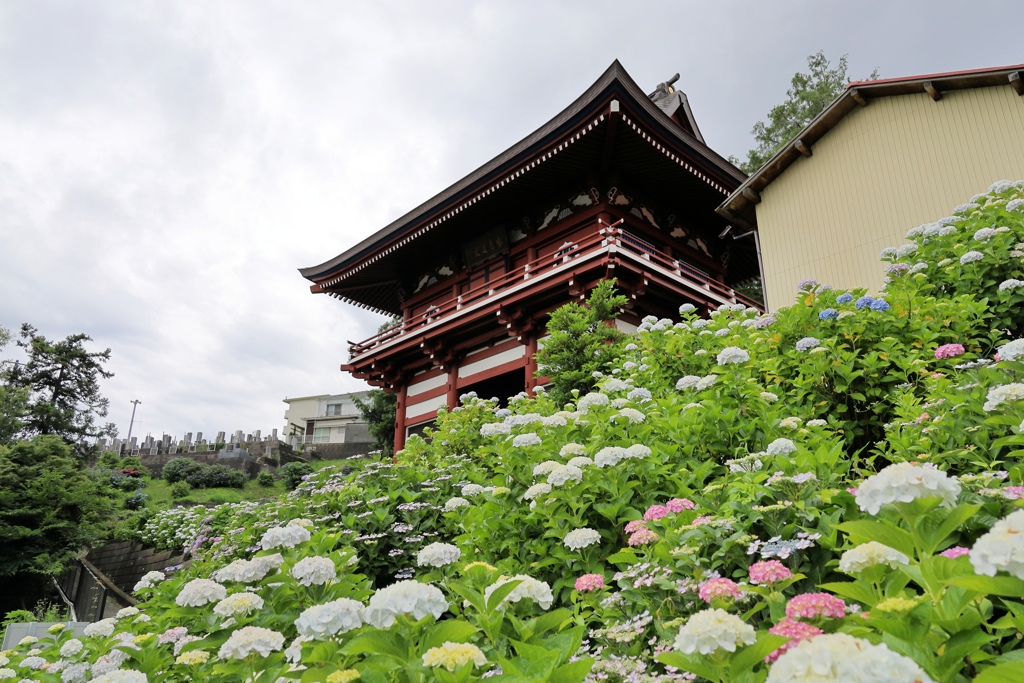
663, 90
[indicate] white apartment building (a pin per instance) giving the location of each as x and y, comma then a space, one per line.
326, 418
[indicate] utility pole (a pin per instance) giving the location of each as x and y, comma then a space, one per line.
135, 404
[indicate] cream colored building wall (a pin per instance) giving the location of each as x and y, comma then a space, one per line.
885, 168
298, 410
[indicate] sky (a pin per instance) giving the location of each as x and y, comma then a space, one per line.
166, 167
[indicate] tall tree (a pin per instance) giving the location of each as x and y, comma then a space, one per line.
581, 343
49, 507
808, 96
379, 411
60, 381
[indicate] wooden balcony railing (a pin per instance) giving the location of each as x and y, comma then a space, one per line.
604, 239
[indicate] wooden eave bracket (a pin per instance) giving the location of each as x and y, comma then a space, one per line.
751, 196
1017, 82
932, 91
858, 97
802, 148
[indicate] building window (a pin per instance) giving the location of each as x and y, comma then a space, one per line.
321, 435
333, 409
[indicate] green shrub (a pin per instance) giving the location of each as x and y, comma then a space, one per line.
293, 472
110, 460
265, 479
177, 469
216, 476
180, 489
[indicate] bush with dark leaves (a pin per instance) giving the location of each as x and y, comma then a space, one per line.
293, 472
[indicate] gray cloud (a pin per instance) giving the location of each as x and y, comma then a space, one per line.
166, 167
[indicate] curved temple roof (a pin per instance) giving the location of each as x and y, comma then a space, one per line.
713, 168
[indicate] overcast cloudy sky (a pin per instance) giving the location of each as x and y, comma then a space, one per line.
166, 167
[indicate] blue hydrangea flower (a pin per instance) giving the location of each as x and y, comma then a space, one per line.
828, 314
806, 285
864, 302
844, 298
806, 344
879, 305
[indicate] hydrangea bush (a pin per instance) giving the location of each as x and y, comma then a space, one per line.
827, 493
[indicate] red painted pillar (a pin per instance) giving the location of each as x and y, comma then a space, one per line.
531, 364
400, 420
453, 385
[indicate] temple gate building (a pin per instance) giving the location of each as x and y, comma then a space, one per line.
619, 185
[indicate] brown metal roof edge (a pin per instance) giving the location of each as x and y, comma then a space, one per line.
614, 72
740, 204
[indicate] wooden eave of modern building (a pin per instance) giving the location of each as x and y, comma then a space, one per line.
739, 207
615, 129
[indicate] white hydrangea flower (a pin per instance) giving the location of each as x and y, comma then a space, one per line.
916, 232
904, 482
842, 658
633, 415
68, 649
984, 234
1007, 285
581, 538
1012, 350
437, 555
537, 490
472, 490
122, 676
708, 630
545, 468
565, 473
868, 555
1001, 548
997, 396
404, 597
580, 461
314, 571
817, 423
244, 603
538, 591
148, 580
331, 618
524, 419
706, 382
619, 403
242, 571
780, 447
790, 422
1015, 205
284, 537
971, 257
554, 421
199, 592
610, 455
126, 612
75, 673
638, 451
36, 662
687, 382
495, 428
454, 503
769, 396
616, 384
524, 440
570, 449
251, 639
687, 308
592, 399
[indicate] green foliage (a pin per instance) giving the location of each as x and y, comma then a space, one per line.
180, 489
265, 478
293, 472
61, 383
44, 611
807, 97
581, 343
379, 411
49, 508
177, 469
110, 460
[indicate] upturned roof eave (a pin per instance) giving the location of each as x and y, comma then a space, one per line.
512, 156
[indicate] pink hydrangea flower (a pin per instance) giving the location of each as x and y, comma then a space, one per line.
955, 552
701, 521
635, 525
680, 504
655, 512
949, 351
797, 630
642, 536
590, 582
718, 588
810, 605
922, 417
852, 492
769, 571
1013, 492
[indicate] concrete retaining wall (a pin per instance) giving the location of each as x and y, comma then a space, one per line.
125, 562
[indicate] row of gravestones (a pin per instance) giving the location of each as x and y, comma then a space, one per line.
168, 444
